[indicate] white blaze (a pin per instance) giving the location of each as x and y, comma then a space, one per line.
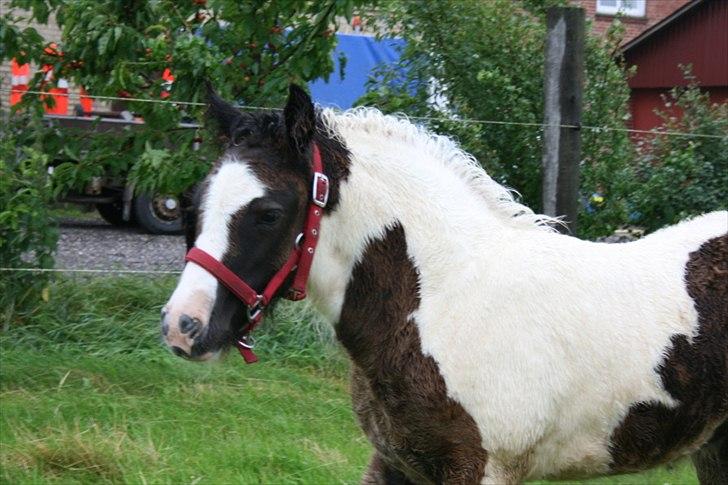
233, 187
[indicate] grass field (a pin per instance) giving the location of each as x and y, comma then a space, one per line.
88, 395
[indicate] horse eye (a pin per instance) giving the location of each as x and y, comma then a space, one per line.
269, 217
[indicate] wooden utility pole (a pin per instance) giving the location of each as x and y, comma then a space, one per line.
564, 77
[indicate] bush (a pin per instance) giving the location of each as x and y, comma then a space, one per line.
484, 60
27, 232
696, 166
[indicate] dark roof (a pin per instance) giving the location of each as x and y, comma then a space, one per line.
694, 35
662, 24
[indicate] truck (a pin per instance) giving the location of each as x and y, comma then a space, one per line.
115, 198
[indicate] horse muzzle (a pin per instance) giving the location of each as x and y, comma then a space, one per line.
183, 333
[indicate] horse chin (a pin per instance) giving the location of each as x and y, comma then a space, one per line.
212, 348
208, 356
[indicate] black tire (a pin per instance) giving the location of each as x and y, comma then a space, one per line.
112, 213
155, 215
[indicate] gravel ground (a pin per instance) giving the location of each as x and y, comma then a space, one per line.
94, 244
91, 243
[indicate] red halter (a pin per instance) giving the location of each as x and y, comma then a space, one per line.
299, 261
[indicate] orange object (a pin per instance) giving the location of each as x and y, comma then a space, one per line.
167, 75
167, 85
356, 23
52, 50
20, 74
59, 93
60, 100
87, 104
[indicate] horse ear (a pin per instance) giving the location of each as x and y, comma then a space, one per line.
223, 114
300, 119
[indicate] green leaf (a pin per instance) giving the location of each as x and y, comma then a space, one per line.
103, 42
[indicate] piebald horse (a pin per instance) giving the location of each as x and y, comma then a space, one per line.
485, 346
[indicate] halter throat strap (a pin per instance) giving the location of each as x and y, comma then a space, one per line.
299, 261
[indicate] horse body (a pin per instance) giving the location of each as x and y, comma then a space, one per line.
485, 347
544, 339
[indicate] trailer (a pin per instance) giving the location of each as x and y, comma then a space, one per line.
115, 198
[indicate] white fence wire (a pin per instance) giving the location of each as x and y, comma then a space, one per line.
91, 271
422, 118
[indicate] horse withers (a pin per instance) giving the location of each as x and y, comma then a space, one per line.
485, 347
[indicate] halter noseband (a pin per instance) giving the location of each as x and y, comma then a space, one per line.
299, 261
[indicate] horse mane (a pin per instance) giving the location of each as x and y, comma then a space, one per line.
501, 200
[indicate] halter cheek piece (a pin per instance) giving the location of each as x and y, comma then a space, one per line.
299, 261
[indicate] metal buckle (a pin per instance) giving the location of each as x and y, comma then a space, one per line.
256, 309
247, 341
322, 197
299, 240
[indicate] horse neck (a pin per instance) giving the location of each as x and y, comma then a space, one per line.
395, 183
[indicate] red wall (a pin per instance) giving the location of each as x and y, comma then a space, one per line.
700, 38
644, 101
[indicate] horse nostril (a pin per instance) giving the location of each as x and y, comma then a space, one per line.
189, 325
179, 352
165, 328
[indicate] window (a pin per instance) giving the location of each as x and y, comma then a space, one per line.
630, 8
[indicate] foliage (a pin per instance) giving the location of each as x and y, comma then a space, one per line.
696, 166
484, 60
249, 51
27, 234
607, 175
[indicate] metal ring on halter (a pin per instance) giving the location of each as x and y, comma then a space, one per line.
255, 309
247, 341
299, 240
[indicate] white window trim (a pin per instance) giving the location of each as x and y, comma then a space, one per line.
638, 10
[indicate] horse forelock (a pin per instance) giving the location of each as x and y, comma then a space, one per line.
500, 199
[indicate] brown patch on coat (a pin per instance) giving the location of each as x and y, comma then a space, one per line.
711, 460
398, 393
694, 373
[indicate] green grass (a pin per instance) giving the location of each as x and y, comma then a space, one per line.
88, 395
85, 418
84, 212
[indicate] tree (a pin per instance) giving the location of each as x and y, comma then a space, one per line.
683, 176
468, 59
250, 51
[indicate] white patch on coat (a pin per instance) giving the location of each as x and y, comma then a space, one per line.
230, 189
544, 339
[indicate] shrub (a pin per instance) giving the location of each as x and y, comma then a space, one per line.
484, 60
696, 166
27, 232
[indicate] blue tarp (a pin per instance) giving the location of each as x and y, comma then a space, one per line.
363, 54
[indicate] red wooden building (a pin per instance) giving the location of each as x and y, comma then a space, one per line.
696, 34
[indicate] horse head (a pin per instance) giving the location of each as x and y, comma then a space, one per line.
251, 208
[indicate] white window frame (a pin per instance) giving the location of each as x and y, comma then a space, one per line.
628, 8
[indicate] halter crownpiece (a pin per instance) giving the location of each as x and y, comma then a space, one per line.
299, 260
